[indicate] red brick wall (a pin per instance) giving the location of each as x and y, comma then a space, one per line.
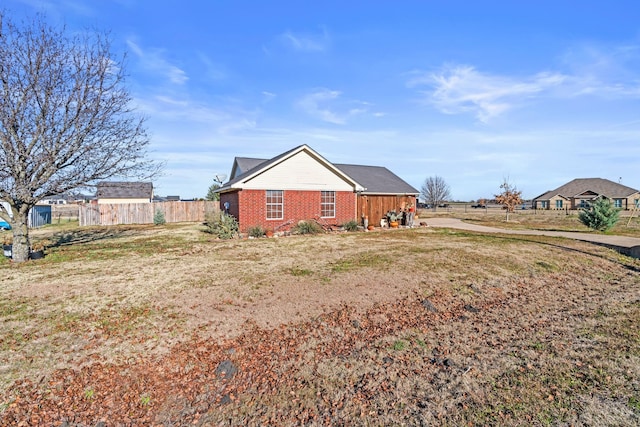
232, 198
298, 205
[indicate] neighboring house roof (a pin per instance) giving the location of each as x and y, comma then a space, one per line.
124, 190
57, 197
377, 179
365, 179
597, 186
166, 198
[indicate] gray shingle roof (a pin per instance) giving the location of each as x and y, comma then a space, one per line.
124, 190
376, 179
600, 186
241, 165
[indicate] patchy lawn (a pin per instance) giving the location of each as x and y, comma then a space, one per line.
164, 325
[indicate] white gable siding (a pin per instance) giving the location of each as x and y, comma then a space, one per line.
299, 172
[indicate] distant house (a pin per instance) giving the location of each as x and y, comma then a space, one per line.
159, 199
124, 192
300, 184
65, 199
581, 192
54, 200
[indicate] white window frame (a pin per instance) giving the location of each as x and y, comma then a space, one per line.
328, 205
558, 204
273, 207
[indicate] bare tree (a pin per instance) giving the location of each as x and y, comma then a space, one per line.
435, 191
509, 198
66, 119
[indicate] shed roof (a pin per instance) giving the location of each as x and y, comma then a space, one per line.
124, 190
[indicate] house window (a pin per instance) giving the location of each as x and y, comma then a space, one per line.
584, 204
636, 202
328, 204
543, 204
558, 204
275, 203
617, 203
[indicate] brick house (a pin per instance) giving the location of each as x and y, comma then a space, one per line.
580, 192
300, 184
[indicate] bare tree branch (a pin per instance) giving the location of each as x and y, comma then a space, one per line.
66, 119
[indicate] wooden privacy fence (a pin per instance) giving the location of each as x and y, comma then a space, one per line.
143, 213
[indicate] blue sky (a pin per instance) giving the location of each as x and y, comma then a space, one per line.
473, 91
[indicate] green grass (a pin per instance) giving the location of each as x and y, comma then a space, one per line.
14, 309
14, 340
399, 345
300, 272
547, 266
363, 260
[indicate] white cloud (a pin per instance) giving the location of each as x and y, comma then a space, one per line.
212, 70
306, 42
154, 61
176, 75
313, 103
591, 70
329, 106
239, 125
460, 89
166, 111
268, 96
609, 72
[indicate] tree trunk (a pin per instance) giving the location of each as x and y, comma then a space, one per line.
20, 249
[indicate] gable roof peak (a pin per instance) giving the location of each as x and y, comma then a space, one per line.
242, 176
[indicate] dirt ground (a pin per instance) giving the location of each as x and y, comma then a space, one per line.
168, 326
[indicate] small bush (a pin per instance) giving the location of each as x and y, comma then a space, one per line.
307, 227
351, 225
158, 218
222, 225
600, 216
256, 231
